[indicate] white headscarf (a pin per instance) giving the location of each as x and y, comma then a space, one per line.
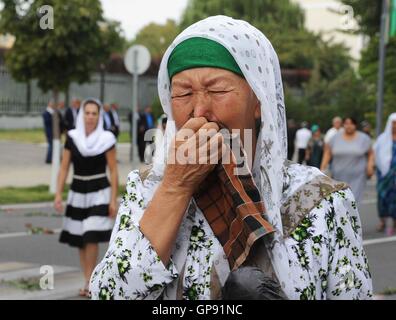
259, 63
383, 147
98, 141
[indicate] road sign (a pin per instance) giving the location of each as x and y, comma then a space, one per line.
137, 59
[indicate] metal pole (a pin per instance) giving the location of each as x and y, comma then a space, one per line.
56, 146
134, 107
102, 82
28, 97
381, 68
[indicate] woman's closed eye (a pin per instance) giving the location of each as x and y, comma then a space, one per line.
219, 91
181, 95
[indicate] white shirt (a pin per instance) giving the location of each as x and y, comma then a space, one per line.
50, 110
302, 137
330, 134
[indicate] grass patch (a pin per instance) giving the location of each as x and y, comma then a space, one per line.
31, 284
124, 137
389, 291
29, 136
40, 193
38, 136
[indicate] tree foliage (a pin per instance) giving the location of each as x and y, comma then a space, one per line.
368, 14
80, 40
157, 37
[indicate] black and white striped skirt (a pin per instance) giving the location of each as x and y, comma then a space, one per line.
87, 213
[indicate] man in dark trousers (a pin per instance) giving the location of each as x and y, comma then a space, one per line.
47, 118
108, 119
145, 122
71, 114
116, 119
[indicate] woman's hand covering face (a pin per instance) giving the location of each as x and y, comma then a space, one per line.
194, 152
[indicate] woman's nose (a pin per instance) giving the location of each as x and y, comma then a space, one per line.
202, 106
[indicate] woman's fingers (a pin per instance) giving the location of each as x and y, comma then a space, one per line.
211, 151
188, 151
190, 128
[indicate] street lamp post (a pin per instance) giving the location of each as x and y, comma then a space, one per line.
381, 67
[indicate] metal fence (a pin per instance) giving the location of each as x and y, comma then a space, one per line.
18, 98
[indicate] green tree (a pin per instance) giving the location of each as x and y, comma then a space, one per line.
260, 13
62, 44
368, 69
368, 13
157, 37
323, 99
80, 40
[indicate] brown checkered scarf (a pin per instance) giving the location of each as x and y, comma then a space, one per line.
232, 205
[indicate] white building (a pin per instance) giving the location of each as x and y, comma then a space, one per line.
331, 18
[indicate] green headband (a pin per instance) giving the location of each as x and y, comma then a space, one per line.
201, 52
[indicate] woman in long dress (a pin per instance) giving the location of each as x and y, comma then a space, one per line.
352, 158
385, 159
92, 199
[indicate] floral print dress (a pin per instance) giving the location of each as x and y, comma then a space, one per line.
325, 254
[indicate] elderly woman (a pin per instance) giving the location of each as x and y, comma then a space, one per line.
184, 230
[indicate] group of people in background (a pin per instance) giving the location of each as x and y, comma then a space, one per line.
68, 118
350, 155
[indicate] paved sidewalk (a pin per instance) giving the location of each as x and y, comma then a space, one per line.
22, 164
21, 281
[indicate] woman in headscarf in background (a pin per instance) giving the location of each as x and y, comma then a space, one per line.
385, 159
92, 199
188, 230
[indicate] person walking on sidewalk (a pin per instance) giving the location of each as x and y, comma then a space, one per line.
337, 126
303, 135
352, 157
385, 159
92, 199
314, 152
